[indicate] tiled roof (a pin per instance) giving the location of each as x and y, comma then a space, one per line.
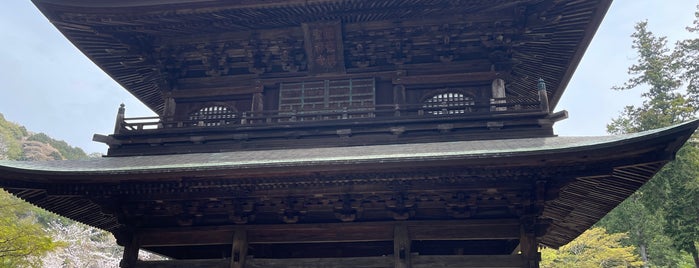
329, 156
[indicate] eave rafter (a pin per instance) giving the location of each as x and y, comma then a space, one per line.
130, 40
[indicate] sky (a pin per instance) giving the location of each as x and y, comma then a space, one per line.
48, 86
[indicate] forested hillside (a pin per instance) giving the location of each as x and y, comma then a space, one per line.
32, 237
16, 143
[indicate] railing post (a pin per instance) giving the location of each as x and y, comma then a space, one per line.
499, 95
119, 124
543, 97
244, 119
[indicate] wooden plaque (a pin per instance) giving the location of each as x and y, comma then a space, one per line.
323, 44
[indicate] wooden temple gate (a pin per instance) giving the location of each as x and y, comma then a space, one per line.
340, 133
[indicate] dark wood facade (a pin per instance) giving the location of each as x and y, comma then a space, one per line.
283, 74
450, 203
341, 133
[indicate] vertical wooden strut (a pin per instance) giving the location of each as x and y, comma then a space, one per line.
130, 257
543, 95
401, 246
499, 95
119, 119
239, 249
528, 246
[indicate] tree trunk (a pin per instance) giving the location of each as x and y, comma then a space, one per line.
644, 255
695, 254
642, 248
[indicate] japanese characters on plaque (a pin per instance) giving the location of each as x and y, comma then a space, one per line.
323, 44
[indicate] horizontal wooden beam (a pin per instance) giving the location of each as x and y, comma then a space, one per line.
418, 261
216, 92
212, 263
480, 261
359, 262
446, 78
333, 232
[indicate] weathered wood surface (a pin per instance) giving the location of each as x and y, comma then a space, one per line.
151, 48
467, 261
360, 262
221, 263
334, 232
417, 261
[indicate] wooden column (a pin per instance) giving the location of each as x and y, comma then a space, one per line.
130, 257
543, 95
239, 249
401, 246
498, 94
258, 101
399, 94
119, 119
528, 243
170, 106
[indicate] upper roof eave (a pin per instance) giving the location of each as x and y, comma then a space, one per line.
149, 90
267, 160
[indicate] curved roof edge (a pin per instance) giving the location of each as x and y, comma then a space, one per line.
422, 152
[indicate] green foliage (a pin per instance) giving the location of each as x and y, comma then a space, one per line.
594, 248
657, 68
675, 194
10, 139
22, 241
662, 218
644, 229
67, 151
14, 136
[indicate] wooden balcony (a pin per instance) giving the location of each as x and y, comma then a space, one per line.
382, 124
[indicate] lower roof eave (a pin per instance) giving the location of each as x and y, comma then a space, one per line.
620, 164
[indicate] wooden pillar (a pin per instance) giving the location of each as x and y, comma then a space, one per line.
257, 102
543, 95
528, 244
130, 257
169, 107
399, 94
119, 119
498, 94
239, 249
401, 246
398, 88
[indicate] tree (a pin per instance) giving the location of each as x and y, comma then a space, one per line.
23, 242
671, 197
10, 136
86, 247
593, 248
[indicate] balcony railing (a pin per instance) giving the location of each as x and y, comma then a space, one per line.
511, 105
